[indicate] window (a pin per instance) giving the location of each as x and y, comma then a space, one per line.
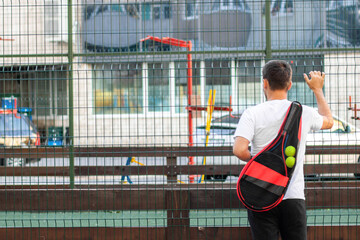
155, 11
167, 11
118, 88
60, 93
218, 78
43, 99
146, 11
132, 10
300, 91
248, 74
238, 3
55, 20
41, 88
340, 3
280, 7
191, 8
117, 8
230, 5
216, 5
50, 88
159, 87
181, 80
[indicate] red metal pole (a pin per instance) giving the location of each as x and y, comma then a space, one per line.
182, 43
349, 103
189, 73
3, 39
355, 112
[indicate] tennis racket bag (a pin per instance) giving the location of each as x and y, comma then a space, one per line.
264, 179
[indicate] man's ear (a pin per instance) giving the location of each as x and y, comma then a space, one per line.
290, 85
265, 83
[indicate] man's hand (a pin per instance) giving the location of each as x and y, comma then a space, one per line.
316, 81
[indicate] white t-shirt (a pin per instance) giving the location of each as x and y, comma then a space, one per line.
260, 125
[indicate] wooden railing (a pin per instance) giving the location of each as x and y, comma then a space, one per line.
177, 199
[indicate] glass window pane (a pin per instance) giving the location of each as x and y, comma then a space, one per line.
248, 75
146, 11
41, 88
129, 88
159, 87
116, 8
181, 85
61, 92
42, 95
218, 78
190, 9
156, 11
167, 11
238, 3
216, 5
118, 88
299, 90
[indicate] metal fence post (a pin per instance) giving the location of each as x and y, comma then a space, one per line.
71, 95
268, 51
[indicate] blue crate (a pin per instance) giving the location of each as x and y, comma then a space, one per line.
55, 143
26, 111
9, 103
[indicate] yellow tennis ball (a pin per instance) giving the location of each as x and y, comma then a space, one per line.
290, 151
290, 162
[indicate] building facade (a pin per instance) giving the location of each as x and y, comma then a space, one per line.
129, 92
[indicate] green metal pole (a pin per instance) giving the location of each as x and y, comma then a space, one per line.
71, 95
268, 51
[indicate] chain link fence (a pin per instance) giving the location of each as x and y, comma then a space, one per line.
105, 106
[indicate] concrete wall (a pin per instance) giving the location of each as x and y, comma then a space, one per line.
25, 24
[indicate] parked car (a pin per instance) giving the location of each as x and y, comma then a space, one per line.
16, 130
223, 129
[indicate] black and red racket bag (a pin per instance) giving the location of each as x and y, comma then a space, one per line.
264, 179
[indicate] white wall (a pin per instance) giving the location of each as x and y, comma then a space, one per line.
342, 80
25, 24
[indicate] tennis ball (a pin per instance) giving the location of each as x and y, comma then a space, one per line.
290, 162
290, 151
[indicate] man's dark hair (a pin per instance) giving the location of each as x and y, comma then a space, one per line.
278, 73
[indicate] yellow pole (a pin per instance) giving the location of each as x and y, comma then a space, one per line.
209, 111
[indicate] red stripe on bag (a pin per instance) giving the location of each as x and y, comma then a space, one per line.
266, 174
300, 127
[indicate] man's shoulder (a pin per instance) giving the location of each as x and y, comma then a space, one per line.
308, 110
268, 105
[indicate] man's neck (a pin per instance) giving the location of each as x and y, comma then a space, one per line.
276, 95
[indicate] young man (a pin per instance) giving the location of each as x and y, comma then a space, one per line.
259, 125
